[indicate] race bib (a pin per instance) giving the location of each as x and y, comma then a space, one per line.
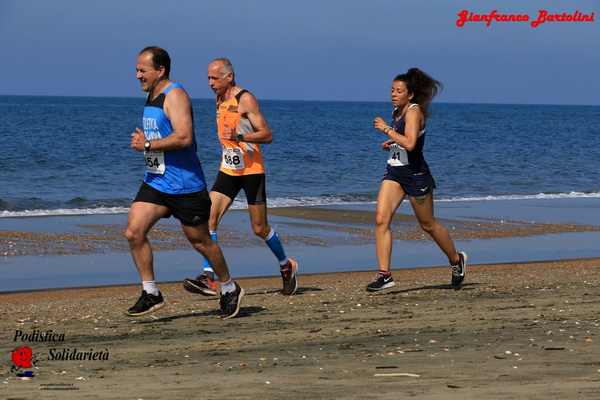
155, 162
398, 156
233, 158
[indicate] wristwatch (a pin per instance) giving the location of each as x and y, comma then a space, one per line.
240, 137
147, 145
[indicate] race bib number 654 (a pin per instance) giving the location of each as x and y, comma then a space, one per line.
155, 162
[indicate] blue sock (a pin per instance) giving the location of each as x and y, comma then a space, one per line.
206, 265
276, 247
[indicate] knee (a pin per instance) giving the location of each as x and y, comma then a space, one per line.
381, 221
134, 237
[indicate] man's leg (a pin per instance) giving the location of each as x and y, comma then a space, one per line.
142, 217
205, 283
231, 292
224, 190
261, 228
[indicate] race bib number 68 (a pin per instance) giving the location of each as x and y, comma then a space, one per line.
233, 158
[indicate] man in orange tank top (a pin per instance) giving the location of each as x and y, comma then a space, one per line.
241, 128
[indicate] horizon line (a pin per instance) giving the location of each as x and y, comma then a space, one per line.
312, 100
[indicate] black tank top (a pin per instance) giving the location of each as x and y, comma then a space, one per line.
416, 161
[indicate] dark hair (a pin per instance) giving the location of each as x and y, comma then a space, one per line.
160, 58
423, 87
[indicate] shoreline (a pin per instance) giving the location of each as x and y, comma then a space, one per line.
395, 271
304, 226
86, 251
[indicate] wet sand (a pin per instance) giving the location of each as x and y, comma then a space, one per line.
304, 226
520, 331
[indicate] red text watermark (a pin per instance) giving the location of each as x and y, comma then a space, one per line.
542, 17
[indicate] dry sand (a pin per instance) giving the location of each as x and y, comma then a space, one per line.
521, 331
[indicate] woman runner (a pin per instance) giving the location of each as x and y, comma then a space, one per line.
407, 174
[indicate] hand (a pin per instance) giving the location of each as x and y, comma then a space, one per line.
138, 139
379, 124
229, 133
386, 145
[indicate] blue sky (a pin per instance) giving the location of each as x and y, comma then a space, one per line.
307, 50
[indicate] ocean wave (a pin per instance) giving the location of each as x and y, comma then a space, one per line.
237, 205
308, 201
64, 211
539, 196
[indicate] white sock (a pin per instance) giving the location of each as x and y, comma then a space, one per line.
150, 287
228, 287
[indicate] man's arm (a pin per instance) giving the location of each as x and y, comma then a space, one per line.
249, 106
179, 111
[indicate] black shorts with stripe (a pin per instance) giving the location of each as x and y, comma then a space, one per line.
191, 209
254, 186
414, 184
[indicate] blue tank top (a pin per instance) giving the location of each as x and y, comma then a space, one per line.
175, 171
416, 160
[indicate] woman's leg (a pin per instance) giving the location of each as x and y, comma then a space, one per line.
423, 208
389, 199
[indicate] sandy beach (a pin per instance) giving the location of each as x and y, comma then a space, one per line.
518, 331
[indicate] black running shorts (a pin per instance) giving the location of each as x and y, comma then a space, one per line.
191, 209
414, 184
254, 186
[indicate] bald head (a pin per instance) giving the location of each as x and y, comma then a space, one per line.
223, 66
220, 75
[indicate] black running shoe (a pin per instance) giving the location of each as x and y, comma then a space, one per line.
230, 302
146, 304
288, 276
204, 283
459, 271
381, 282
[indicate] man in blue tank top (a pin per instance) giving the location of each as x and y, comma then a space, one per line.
174, 183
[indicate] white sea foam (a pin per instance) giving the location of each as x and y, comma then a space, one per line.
539, 196
64, 211
299, 202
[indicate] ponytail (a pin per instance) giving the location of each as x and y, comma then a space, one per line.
423, 87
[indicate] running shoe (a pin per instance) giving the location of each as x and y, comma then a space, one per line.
288, 276
204, 283
381, 282
230, 302
146, 304
459, 270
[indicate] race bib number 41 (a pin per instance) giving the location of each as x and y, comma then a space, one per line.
233, 158
398, 156
155, 162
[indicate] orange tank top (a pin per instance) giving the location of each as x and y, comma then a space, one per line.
238, 158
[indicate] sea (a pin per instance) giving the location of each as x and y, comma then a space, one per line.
71, 155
